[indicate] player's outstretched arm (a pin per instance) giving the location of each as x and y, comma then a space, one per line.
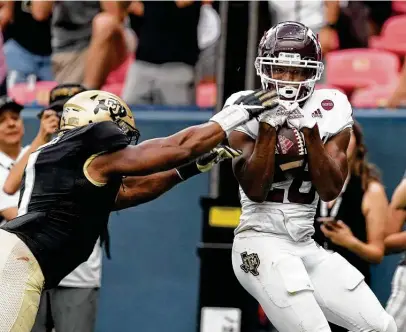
163, 154
328, 164
395, 240
137, 190
141, 189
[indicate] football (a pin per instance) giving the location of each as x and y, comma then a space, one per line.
290, 148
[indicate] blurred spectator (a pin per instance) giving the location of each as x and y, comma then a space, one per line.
89, 39
354, 223
310, 13
395, 242
28, 49
72, 305
57, 98
314, 14
354, 21
348, 21
11, 134
167, 52
378, 13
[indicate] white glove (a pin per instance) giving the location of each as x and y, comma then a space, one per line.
245, 108
277, 116
299, 118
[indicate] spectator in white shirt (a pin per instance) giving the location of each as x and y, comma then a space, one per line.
11, 135
11, 151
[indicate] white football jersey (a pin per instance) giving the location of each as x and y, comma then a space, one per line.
291, 203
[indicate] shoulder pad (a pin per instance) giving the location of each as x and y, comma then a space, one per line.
335, 110
105, 136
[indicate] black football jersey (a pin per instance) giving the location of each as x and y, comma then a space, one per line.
61, 212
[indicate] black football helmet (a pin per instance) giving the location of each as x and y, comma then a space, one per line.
289, 46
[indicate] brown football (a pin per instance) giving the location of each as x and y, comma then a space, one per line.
290, 148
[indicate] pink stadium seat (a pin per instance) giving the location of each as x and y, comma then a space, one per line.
357, 68
39, 94
393, 36
206, 94
373, 96
399, 6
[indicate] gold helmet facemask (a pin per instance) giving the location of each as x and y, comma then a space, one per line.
97, 106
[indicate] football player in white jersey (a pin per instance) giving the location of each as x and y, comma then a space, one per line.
299, 285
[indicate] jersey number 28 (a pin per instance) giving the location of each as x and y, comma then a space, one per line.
294, 194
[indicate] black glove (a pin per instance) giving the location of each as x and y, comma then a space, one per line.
206, 162
258, 100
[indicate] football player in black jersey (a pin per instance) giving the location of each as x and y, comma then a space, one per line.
72, 183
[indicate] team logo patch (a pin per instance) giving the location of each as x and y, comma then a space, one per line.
284, 144
327, 104
250, 263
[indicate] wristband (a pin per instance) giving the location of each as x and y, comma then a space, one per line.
187, 171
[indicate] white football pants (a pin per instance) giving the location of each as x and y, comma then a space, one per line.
396, 305
300, 286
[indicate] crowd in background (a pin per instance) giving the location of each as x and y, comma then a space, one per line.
164, 52
95, 43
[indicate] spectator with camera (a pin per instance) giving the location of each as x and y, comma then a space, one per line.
11, 150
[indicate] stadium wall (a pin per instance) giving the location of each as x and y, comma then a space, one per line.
151, 283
